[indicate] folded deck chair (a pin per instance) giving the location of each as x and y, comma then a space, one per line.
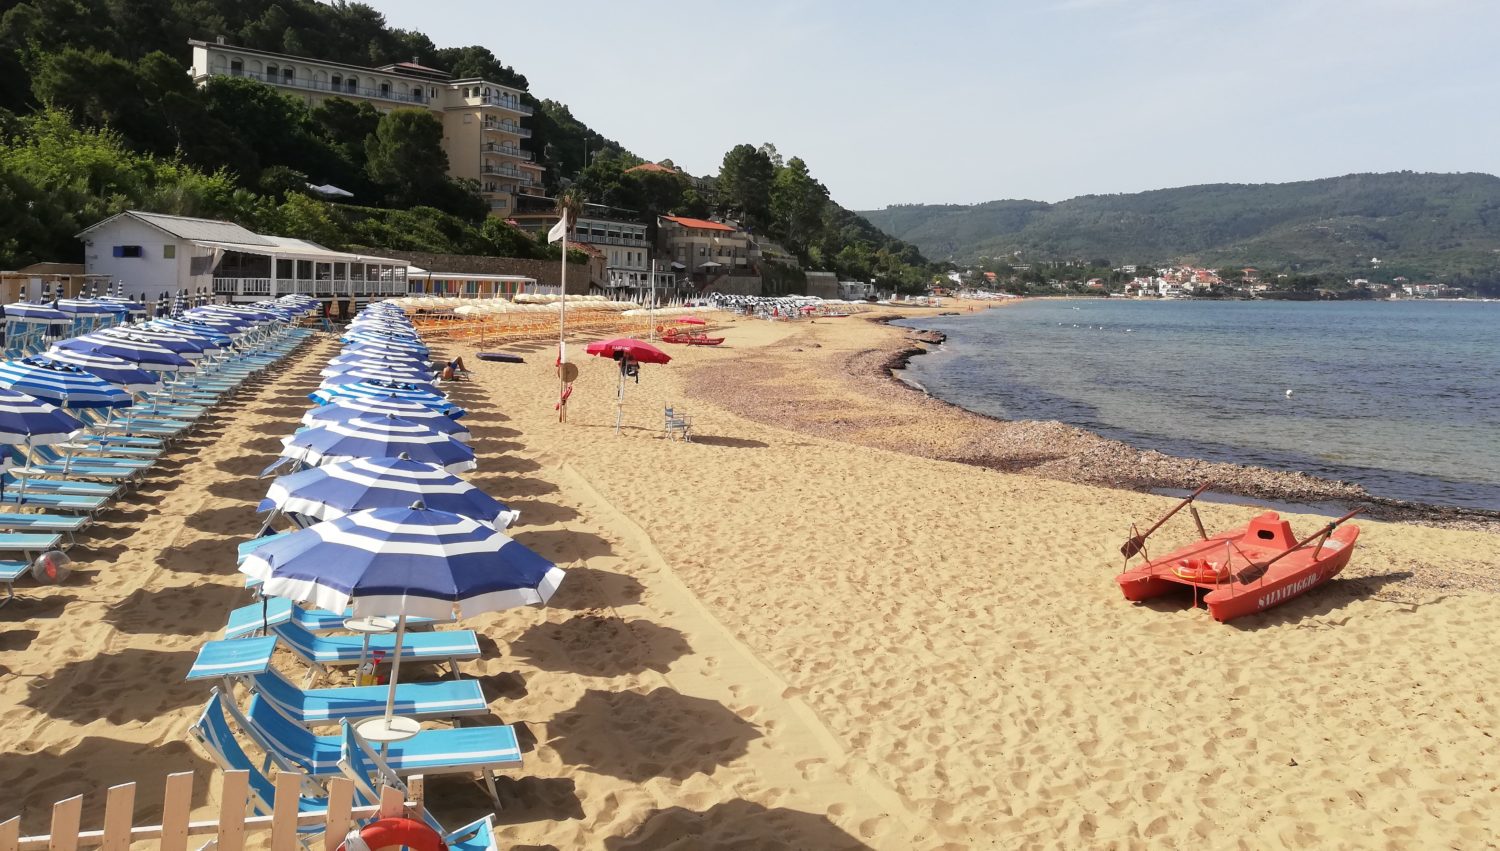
437, 751
319, 651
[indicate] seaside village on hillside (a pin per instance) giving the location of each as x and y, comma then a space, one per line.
1187, 281
486, 140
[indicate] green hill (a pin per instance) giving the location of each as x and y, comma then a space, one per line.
1419, 225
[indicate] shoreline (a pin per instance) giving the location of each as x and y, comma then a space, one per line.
1163, 472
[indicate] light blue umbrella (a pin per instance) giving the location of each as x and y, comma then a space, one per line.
374, 436
404, 562
343, 409
331, 491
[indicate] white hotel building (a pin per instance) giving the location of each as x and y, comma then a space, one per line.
482, 132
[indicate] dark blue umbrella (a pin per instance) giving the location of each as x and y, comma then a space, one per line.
330, 492
373, 436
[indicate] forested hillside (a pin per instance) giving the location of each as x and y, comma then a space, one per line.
98, 114
1418, 225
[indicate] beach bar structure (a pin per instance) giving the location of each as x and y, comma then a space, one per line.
152, 253
468, 285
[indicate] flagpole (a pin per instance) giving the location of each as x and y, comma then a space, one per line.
562, 316
652, 319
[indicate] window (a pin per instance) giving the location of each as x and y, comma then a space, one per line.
337, 81
127, 251
286, 75
351, 84
236, 67
169, 252
271, 73
385, 90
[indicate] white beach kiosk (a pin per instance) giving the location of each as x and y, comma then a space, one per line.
152, 253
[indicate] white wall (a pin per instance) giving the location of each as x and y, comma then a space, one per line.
151, 273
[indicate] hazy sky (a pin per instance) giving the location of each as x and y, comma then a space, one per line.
960, 101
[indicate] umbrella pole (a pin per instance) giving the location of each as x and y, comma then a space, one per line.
390, 697
620, 400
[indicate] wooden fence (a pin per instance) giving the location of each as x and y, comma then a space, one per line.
228, 832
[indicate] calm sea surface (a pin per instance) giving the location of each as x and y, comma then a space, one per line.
1402, 398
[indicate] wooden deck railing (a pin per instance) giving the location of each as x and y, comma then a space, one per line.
228, 832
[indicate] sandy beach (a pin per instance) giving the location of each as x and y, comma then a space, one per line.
799, 631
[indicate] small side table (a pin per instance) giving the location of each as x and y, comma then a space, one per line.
367, 627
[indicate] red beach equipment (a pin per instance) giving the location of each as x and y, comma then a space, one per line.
631, 348
1249, 569
691, 320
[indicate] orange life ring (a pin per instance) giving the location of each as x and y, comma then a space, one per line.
1200, 570
394, 833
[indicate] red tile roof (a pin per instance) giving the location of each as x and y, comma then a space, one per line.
702, 224
652, 167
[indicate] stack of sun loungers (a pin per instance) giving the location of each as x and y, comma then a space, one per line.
289, 716
50, 490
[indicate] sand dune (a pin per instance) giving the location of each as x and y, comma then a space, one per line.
769, 639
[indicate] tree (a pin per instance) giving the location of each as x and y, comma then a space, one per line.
347, 125
406, 154
745, 184
797, 203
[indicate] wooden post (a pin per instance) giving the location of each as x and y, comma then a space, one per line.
284, 811
177, 804
119, 814
65, 815
340, 799
10, 834
234, 799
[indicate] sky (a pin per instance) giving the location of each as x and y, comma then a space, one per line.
964, 101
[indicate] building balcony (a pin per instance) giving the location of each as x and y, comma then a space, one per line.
329, 88
512, 104
608, 240
508, 171
506, 151
321, 287
503, 127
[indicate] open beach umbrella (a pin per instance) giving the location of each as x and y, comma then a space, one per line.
120, 373
374, 436
190, 349
61, 384
331, 491
386, 344
404, 381
29, 421
403, 562
373, 390
194, 330
36, 314
629, 353
343, 409
144, 355
381, 360
402, 370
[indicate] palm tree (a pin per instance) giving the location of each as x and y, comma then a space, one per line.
570, 205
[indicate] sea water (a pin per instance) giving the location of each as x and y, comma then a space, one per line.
1400, 397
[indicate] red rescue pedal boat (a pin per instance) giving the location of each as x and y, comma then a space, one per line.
1243, 571
691, 339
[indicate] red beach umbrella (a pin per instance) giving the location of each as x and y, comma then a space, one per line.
631, 348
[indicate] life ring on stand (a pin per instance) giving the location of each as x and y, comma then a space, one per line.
394, 833
1200, 570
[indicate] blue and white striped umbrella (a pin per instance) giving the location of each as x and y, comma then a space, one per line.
404, 371
331, 491
144, 355
125, 305
373, 436
382, 378
194, 330
61, 384
343, 410
368, 390
36, 314
190, 349
83, 306
380, 361
411, 562
27, 420
364, 342
120, 373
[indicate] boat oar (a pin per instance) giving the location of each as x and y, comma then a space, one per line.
1258, 569
1136, 542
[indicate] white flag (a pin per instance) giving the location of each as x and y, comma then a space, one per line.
558, 231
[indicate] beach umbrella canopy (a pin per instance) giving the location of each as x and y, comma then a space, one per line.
628, 347
143, 354
404, 562
61, 384
363, 342
381, 359
36, 314
374, 436
190, 349
29, 420
194, 330
402, 370
385, 378
83, 306
373, 390
121, 373
342, 410
331, 491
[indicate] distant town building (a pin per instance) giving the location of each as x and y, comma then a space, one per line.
482, 132
703, 247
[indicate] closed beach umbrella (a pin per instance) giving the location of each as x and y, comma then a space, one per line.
331, 491
403, 562
377, 437
342, 410
60, 384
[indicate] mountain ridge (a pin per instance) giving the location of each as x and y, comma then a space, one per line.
1415, 224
